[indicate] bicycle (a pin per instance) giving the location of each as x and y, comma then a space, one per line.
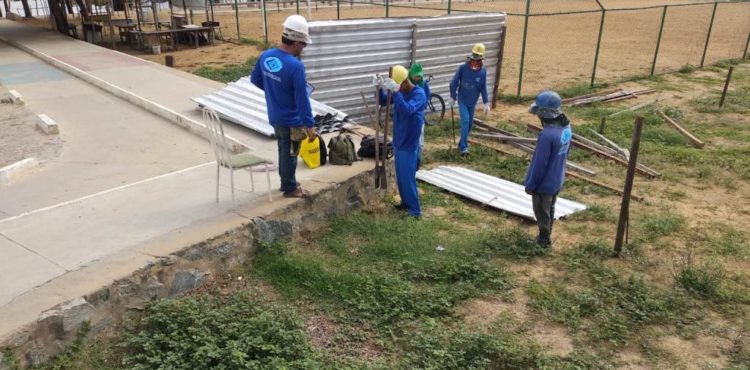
435, 110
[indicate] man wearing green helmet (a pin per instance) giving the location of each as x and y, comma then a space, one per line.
416, 76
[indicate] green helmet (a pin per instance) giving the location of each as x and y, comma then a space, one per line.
416, 71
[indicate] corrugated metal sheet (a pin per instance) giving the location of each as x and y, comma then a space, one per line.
345, 54
492, 191
243, 103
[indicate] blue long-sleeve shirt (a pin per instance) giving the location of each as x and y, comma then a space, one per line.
408, 117
281, 76
468, 84
546, 173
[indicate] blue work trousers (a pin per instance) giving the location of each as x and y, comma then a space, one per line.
406, 179
288, 151
467, 120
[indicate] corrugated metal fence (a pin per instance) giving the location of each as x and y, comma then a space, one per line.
345, 54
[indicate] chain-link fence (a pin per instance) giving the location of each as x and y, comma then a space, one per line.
549, 43
554, 43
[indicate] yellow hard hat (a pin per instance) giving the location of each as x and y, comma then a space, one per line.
399, 74
477, 52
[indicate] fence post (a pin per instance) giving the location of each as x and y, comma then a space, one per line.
523, 47
625, 206
499, 67
236, 18
338, 9
449, 7
708, 36
744, 55
598, 43
658, 40
298, 7
387, 8
265, 20
414, 44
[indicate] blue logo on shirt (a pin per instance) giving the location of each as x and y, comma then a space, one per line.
273, 64
566, 136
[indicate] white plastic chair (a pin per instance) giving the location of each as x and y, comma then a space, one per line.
224, 158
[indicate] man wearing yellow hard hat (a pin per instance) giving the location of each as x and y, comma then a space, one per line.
409, 102
468, 83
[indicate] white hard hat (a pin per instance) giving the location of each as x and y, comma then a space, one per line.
295, 28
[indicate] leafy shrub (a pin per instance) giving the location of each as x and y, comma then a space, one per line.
234, 332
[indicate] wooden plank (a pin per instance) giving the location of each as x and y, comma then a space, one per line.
696, 142
510, 139
598, 93
605, 186
567, 172
634, 108
530, 150
643, 170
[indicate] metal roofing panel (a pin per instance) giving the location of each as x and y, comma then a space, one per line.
345, 54
492, 191
243, 103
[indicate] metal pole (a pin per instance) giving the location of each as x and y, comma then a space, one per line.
744, 55
523, 47
414, 45
602, 124
726, 86
110, 9
449, 7
499, 67
658, 40
237, 18
387, 8
625, 207
338, 9
265, 20
708, 36
316, 4
598, 43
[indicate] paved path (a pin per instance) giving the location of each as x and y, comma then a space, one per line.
125, 178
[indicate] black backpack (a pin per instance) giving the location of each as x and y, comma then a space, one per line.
367, 147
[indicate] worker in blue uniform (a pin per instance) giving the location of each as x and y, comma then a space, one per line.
469, 82
408, 102
281, 76
546, 173
416, 77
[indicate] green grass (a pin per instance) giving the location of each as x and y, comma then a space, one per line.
262, 44
654, 226
229, 73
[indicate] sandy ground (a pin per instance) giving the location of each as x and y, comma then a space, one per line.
20, 138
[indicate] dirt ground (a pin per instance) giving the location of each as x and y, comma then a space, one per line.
20, 137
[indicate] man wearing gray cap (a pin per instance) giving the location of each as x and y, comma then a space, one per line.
281, 76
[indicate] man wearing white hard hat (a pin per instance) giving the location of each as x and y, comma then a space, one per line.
281, 76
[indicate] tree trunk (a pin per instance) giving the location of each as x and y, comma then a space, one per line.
26, 9
84, 11
69, 5
58, 13
6, 5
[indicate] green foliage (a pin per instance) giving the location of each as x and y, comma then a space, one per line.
239, 331
261, 44
10, 360
655, 226
386, 269
595, 212
433, 346
687, 69
515, 243
229, 73
701, 280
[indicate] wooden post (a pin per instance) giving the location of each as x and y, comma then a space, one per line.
696, 142
726, 86
499, 67
625, 206
602, 124
414, 45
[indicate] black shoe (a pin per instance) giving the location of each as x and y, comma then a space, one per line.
464, 154
400, 207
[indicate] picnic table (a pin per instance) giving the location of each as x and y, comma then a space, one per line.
192, 31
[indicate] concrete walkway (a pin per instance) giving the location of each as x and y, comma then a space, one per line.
128, 186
